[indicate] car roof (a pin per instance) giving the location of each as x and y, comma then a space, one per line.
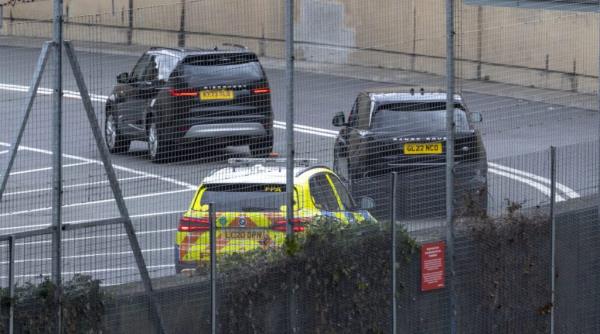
184, 52
409, 94
260, 174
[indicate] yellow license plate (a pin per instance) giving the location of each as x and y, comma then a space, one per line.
422, 148
257, 235
217, 94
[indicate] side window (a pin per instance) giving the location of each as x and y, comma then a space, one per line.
342, 193
166, 65
140, 68
152, 70
322, 194
364, 111
353, 118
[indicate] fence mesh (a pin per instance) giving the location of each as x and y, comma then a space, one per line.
181, 87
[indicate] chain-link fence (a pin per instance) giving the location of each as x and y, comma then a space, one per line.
190, 101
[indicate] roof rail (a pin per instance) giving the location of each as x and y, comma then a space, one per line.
239, 46
269, 161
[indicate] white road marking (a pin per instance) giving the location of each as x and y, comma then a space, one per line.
570, 193
74, 186
164, 213
15, 213
542, 188
3, 152
48, 168
117, 167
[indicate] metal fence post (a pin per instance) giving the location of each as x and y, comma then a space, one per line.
57, 160
394, 198
553, 233
290, 153
450, 157
212, 221
11, 284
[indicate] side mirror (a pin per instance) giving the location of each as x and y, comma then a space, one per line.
476, 117
367, 203
339, 119
123, 78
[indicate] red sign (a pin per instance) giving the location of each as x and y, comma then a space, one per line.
432, 266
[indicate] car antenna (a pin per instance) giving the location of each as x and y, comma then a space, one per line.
412, 91
422, 91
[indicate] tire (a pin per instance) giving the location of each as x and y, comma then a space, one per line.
262, 147
160, 150
115, 141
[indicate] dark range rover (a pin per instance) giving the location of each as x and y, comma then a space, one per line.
177, 98
405, 131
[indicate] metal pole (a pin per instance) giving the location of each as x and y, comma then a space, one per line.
212, 219
290, 153
394, 250
11, 283
553, 233
31, 94
57, 160
450, 157
114, 184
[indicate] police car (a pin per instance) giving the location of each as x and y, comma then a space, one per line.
249, 198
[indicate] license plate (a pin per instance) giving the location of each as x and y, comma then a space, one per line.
217, 94
255, 235
423, 148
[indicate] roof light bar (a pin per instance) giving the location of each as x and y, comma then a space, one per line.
269, 161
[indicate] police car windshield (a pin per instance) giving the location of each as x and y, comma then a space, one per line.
245, 197
417, 117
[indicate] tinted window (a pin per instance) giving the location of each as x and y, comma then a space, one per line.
245, 197
416, 117
345, 198
322, 194
223, 66
140, 68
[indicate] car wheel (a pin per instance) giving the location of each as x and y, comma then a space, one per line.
262, 147
115, 141
159, 149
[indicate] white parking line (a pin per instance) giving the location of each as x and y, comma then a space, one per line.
542, 188
117, 167
74, 186
48, 168
3, 152
570, 193
15, 213
164, 213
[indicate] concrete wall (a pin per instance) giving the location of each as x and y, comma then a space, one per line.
531, 47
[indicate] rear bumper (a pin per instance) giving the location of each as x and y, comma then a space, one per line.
222, 130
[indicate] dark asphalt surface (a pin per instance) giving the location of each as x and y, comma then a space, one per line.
516, 133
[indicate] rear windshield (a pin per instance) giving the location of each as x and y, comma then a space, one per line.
224, 66
417, 117
245, 197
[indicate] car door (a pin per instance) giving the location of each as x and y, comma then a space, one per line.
133, 96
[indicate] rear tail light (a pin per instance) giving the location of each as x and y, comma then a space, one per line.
281, 225
262, 90
190, 224
183, 92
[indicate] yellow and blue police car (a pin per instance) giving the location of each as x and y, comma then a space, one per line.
249, 199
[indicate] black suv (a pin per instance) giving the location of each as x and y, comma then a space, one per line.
208, 98
402, 130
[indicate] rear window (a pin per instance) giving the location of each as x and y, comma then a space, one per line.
224, 66
417, 117
244, 197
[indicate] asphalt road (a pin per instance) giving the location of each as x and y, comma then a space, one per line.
516, 133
